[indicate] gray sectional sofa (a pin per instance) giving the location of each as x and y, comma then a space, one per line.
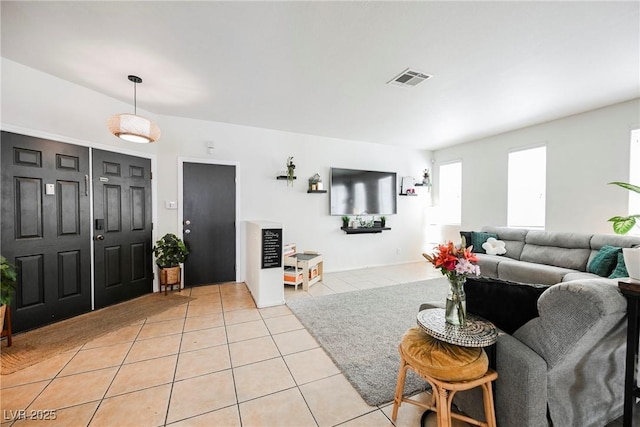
546, 257
566, 366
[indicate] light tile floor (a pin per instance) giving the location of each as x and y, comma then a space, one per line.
216, 361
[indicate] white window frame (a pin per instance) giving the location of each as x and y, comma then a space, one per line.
634, 177
526, 190
450, 195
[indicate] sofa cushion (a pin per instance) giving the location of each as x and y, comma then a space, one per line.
512, 237
579, 275
568, 250
489, 264
620, 269
530, 272
605, 260
508, 305
478, 238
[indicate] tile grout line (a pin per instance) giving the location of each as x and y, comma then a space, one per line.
175, 369
297, 386
116, 374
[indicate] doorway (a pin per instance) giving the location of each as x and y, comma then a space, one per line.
122, 228
209, 222
46, 229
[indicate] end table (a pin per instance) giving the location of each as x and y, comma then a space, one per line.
476, 332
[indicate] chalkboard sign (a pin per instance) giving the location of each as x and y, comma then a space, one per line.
271, 247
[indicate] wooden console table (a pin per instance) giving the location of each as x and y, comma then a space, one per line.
631, 290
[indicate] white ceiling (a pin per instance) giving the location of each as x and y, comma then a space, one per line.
321, 67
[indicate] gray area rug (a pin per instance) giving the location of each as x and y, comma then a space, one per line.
361, 331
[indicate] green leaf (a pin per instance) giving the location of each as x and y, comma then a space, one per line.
622, 225
627, 186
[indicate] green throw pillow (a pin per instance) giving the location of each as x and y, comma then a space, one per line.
478, 238
620, 270
605, 260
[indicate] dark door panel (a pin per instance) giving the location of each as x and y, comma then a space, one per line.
209, 205
45, 228
122, 227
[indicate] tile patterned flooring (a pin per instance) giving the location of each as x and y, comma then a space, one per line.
216, 361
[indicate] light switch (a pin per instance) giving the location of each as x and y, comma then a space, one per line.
170, 204
49, 189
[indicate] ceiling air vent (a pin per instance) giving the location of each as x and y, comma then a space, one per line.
409, 78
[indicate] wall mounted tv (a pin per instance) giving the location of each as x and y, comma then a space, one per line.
360, 192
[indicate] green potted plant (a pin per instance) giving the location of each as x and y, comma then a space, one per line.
290, 170
624, 224
345, 221
383, 221
8, 277
170, 252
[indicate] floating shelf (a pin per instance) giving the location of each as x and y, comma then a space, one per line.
316, 191
363, 230
285, 177
407, 194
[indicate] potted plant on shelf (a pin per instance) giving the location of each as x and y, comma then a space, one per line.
345, 221
383, 221
291, 167
170, 252
624, 224
8, 278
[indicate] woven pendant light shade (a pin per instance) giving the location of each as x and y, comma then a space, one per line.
133, 128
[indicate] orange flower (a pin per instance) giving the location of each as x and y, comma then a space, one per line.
447, 256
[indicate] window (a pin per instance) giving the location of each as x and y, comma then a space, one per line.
634, 177
527, 178
450, 193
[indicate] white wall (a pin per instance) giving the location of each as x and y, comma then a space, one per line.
39, 104
584, 153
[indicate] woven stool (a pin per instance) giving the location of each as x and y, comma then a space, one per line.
448, 369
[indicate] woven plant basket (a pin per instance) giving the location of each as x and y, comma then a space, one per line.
169, 276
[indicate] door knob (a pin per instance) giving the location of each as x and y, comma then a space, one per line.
187, 231
100, 237
187, 222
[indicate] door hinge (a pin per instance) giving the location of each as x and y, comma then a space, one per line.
150, 175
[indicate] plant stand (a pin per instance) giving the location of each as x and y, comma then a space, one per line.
6, 325
170, 277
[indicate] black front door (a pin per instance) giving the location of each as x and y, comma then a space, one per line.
45, 228
209, 216
122, 227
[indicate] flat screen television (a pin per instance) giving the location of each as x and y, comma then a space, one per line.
361, 192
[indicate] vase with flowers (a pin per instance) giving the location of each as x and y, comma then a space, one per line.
456, 263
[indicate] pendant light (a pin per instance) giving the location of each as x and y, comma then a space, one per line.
132, 127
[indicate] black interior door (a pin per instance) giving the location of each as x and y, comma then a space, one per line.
45, 228
122, 227
209, 216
